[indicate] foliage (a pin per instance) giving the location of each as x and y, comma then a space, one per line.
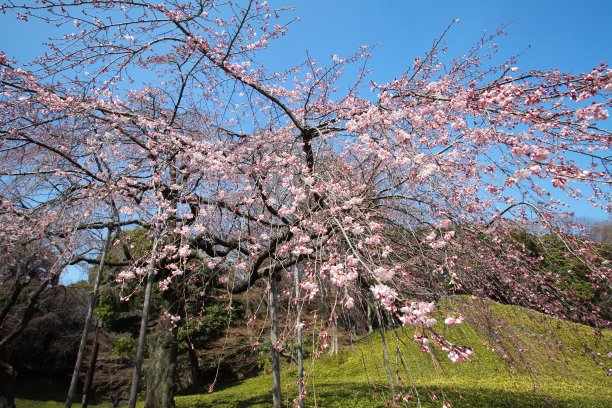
586, 295
47, 346
125, 347
214, 320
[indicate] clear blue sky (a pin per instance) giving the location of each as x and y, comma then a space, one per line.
573, 36
570, 35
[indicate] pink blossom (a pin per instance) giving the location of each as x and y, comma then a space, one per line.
453, 321
540, 154
384, 274
301, 250
430, 237
349, 303
126, 275
381, 291
438, 244
184, 251
458, 354
445, 223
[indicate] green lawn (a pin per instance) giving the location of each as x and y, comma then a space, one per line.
548, 363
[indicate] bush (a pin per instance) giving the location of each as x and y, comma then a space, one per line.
125, 347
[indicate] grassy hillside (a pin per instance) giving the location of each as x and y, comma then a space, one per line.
539, 362
545, 362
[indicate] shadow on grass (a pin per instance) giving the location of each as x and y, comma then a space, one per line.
47, 394
42, 390
359, 395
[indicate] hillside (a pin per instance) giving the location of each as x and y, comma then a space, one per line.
540, 362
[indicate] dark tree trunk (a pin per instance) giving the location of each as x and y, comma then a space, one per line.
91, 369
160, 373
194, 364
7, 385
146, 306
274, 337
369, 319
88, 318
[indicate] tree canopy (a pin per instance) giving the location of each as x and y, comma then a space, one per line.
238, 173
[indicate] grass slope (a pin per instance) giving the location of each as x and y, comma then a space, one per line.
539, 362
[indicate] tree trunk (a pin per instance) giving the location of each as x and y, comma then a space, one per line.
300, 357
92, 304
7, 385
91, 369
160, 372
369, 318
385, 352
333, 349
274, 337
194, 364
143, 328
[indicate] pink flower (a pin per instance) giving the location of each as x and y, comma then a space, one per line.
453, 321
184, 251
308, 286
386, 295
540, 154
349, 303
445, 223
522, 174
165, 284
381, 291
302, 251
430, 237
383, 274
438, 244
459, 353
126, 275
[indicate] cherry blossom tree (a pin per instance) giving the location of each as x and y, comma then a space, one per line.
240, 173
